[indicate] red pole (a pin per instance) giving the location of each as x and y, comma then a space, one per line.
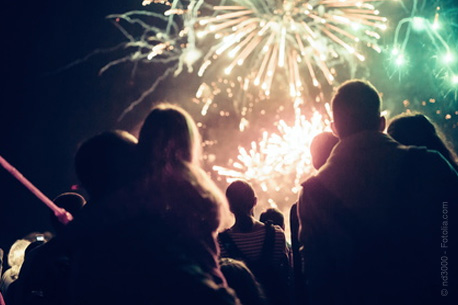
63, 216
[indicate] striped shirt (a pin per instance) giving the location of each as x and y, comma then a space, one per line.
250, 244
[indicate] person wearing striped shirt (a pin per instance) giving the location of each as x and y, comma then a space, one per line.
262, 247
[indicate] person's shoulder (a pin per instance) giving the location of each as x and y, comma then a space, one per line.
312, 183
310, 180
430, 168
426, 157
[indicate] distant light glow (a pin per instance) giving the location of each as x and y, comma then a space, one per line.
436, 26
400, 60
448, 58
455, 79
418, 23
279, 160
297, 37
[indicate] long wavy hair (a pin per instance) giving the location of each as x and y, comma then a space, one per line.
168, 139
417, 129
170, 148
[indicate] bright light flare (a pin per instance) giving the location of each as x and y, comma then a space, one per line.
418, 23
455, 79
448, 58
302, 39
281, 159
400, 60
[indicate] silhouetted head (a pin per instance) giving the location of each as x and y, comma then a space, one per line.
242, 280
106, 162
355, 108
321, 147
418, 130
72, 203
168, 138
241, 197
274, 216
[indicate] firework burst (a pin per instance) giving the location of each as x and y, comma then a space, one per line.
247, 50
279, 160
301, 39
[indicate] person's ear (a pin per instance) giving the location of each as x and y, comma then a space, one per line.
334, 129
382, 124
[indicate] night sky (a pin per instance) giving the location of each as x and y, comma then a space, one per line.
47, 111
44, 113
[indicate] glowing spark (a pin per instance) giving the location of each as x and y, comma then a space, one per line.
435, 44
418, 23
280, 159
294, 37
455, 79
400, 60
299, 47
448, 58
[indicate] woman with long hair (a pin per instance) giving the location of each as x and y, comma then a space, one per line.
178, 189
418, 130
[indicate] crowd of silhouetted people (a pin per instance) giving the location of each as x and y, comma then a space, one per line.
376, 224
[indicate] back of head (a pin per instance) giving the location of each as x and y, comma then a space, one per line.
321, 147
241, 279
355, 108
241, 197
418, 130
168, 137
106, 162
169, 150
274, 216
413, 129
71, 202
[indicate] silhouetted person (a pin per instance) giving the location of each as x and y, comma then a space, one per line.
104, 165
274, 216
71, 202
106, 162
261, 246
371, 218
241, 279
46, 267
150, 240
177, 188
320, 149
417, 129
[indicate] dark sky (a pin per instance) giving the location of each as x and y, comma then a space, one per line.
44, 114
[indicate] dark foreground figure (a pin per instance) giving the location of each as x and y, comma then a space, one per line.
153, 239
379, 218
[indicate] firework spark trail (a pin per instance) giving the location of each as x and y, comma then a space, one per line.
264, 44
278, 156
302, 40
151, 89
444, 66
297, 37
